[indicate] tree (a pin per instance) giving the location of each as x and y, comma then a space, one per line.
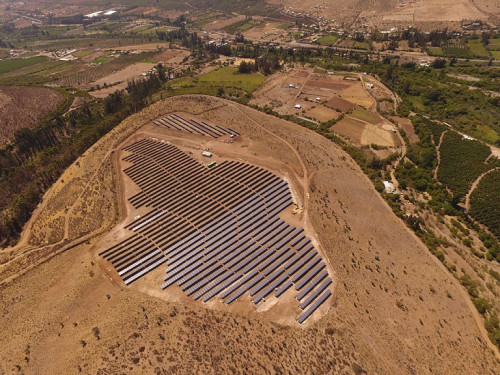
393, 45
439, 63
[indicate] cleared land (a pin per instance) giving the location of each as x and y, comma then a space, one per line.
79, 315
119, 79
35, 102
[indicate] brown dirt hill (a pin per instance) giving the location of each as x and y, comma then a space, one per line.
36, 102
394, 311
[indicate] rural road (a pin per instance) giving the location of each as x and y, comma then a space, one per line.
438, 152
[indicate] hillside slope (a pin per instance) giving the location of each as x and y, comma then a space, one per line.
394, 309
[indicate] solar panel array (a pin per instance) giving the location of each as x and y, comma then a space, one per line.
217, 231
175, 121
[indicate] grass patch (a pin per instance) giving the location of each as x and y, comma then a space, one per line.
100, 60
361, 45
494, 42
243, 25
495, 54
328, 39
456, 52
485, 133
229, 77
15, 64
226, 79
365, 115
435, 51
477, 48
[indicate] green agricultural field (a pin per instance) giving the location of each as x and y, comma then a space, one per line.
462, 161
485, 202
485, 133
435, 51
495, 54
100, 60
229, 76
365, 115
243, 25
227, 79
328, 39
361, 45
476, 48
494, 43
456, 52
14, 64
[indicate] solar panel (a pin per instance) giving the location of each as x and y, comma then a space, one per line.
312, 285
316, 293
301, 319
301, 273
270, 289
246, 287
283, 288
309, 276
239, 283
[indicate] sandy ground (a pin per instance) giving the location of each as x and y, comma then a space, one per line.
395, 311
434, 10
221, 23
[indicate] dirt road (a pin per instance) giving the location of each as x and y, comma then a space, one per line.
474, 186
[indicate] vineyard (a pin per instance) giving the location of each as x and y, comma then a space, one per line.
462, 162
14, 64
485, 202
84, 78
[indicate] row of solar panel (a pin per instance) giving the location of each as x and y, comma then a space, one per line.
190, 125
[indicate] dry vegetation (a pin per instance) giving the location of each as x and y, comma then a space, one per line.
36, 103
395, 309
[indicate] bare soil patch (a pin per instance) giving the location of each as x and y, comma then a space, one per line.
322, 113
357, 94
377, 135
342, 104
121, 76
221, 23
329, 84
171, 56
350, 128
407, 127
35, 103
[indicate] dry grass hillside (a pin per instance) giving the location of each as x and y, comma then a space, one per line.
385, 13
394, 311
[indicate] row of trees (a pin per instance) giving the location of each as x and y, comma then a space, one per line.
266, 65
